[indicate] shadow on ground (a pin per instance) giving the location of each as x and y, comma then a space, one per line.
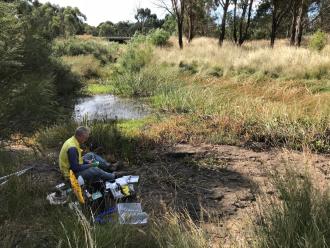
196, 181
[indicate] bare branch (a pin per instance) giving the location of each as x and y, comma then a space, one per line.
163, 5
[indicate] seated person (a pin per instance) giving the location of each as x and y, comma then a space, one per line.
91, 166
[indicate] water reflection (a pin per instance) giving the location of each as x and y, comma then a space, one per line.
109, 107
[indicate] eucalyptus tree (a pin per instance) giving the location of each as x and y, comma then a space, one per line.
147, 21
35, 87
245, 9
191, 17
308, 14
239, 20
73, 21
175, 8
224, 5
279, 9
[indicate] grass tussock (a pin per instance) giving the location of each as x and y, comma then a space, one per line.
253, 59
275, 113
299, 219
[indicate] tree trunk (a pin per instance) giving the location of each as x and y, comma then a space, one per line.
190, 27
247, 26
274, 25
299, 23
240, 31
279, 11
273, 32
293, 26
223, 23
180, 33
235, 30
249, 19
178, 8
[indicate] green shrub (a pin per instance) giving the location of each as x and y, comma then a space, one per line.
11, 42
135, 57
34, 84
67, 84
30, 105
159, 37
37, 99
299, 219
318, 40
170, 24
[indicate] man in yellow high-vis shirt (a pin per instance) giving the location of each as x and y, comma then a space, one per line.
88, 167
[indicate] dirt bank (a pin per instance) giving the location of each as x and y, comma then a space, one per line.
220, 185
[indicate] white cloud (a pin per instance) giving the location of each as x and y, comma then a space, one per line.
98, 11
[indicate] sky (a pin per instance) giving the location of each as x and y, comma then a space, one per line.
98, 11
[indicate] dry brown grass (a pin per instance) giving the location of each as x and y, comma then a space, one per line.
254, 56
86, 66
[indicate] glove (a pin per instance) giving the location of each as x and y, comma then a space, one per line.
95, 163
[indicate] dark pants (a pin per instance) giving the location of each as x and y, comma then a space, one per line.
96, 173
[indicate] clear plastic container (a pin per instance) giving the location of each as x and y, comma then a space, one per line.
131, 213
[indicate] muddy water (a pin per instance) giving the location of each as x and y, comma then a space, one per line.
100, 107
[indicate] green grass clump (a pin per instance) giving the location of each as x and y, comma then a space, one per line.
102, 50
182, 99
96, 89
134, 85
299, 219
149, 81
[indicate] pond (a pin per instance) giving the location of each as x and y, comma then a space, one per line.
101, 107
